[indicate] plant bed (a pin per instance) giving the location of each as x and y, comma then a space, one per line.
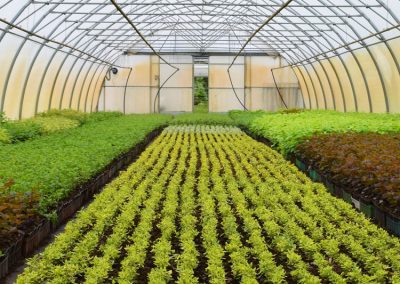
314, 175
33, 239
379, 214
366, 163
365, 204
301, 165
393, 224
248, 216
256, 137
287, 130
34, 233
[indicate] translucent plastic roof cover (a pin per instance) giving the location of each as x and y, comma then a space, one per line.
304, 30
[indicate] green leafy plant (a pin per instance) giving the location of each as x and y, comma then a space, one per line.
291, 110
66, 113
55, 164
286, 131
23, 130
210, 204
202, 118
4, 136
101, 115
200, 91
2, 117
245, 118
54, 124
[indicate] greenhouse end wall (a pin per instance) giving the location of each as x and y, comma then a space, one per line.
251, 77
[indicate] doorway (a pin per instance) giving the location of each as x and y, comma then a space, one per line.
200, 84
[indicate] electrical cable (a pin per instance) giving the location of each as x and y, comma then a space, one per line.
279, 92
126, 86
108, 74
272, 71
150, 46
248, 41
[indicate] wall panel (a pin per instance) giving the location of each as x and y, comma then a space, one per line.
33, 83
16, 80
303, 87
177, 94
360, 84
325, 84
391, 75
79, 80
8, 47
221, 96
373, 80
360, 87
83, 91
69, 83
53, 82
92, 103
310, 87
316, 85
345, 80
336, 88
261, 92
133, 90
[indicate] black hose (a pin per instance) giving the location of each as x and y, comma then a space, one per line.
126, 86
279, 92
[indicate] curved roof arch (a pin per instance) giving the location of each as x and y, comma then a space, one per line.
305, 30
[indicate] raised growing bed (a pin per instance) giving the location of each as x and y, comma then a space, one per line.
210, 204
34, 234
371, 208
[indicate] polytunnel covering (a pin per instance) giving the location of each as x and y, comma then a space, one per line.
344, 54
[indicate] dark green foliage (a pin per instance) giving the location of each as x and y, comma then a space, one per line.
67, 113
245, 118
80, 116
22, 130
47, 123
367, 163
101, 115
2, 117
200, 95
291, 110
202, 118
4, 136
286, 131
200, 91
201, 108
55, 164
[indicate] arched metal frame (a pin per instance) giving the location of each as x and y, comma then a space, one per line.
92, 34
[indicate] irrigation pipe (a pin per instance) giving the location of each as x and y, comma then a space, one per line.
151, 47
248, 41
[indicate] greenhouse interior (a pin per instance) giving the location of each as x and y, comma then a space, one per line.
199, 141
